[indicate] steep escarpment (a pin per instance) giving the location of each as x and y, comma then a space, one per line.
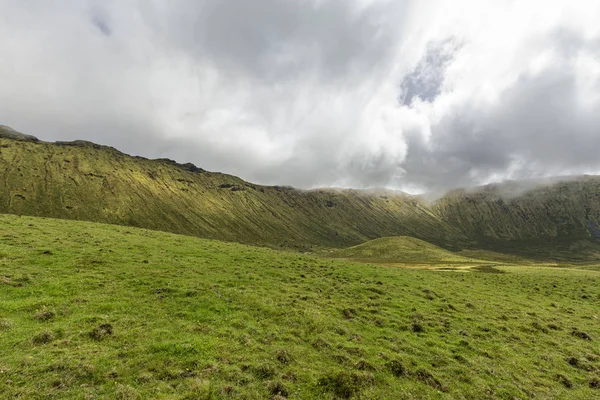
85, 181
559, 216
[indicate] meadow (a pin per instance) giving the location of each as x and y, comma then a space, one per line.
93, 311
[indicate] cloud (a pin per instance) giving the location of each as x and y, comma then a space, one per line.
100, 20
426, 80
543, 123
414, 95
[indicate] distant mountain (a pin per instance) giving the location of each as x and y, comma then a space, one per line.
85, 181
560, 218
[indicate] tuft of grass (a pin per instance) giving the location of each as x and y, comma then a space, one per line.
126, 392
264, 371
364, 365
345, 384
284, 356
278, 388
580, 334
565, 381
427, 378
43, 338
102, 331
5, 324
396, 367
44, 315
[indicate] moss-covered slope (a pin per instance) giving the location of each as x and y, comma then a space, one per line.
560, 220
84, 181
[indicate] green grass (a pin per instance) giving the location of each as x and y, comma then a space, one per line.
91, 311
85, 181
401, 249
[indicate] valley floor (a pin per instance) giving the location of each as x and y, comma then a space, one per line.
91, 311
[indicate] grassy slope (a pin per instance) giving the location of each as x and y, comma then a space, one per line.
200, 319
561, 220
83, 181
400, 249
89, 182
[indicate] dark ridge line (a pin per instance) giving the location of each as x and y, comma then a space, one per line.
9, 133
469, 192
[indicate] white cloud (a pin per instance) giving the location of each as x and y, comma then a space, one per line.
309, 92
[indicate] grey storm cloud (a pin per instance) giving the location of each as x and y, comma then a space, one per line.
278, 40
426, 80
413, 95
538, 127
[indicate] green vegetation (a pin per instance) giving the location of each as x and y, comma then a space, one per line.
84, 181
400, 249
559, 220
97, 311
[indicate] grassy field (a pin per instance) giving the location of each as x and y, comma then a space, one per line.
91, 311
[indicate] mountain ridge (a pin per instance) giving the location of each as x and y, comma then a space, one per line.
57, 180
84, 181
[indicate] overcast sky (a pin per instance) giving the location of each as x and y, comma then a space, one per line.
413, 95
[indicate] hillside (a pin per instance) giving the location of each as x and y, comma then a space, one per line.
107, 312
559, 219
400, 250
85, 181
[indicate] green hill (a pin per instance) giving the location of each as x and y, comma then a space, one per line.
107, 312
559, 219
400, 250
85, 181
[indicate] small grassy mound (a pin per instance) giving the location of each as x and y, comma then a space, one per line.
400, 249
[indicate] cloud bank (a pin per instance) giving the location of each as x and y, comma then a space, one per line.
411, 95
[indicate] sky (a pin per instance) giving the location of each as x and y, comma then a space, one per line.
422, 95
